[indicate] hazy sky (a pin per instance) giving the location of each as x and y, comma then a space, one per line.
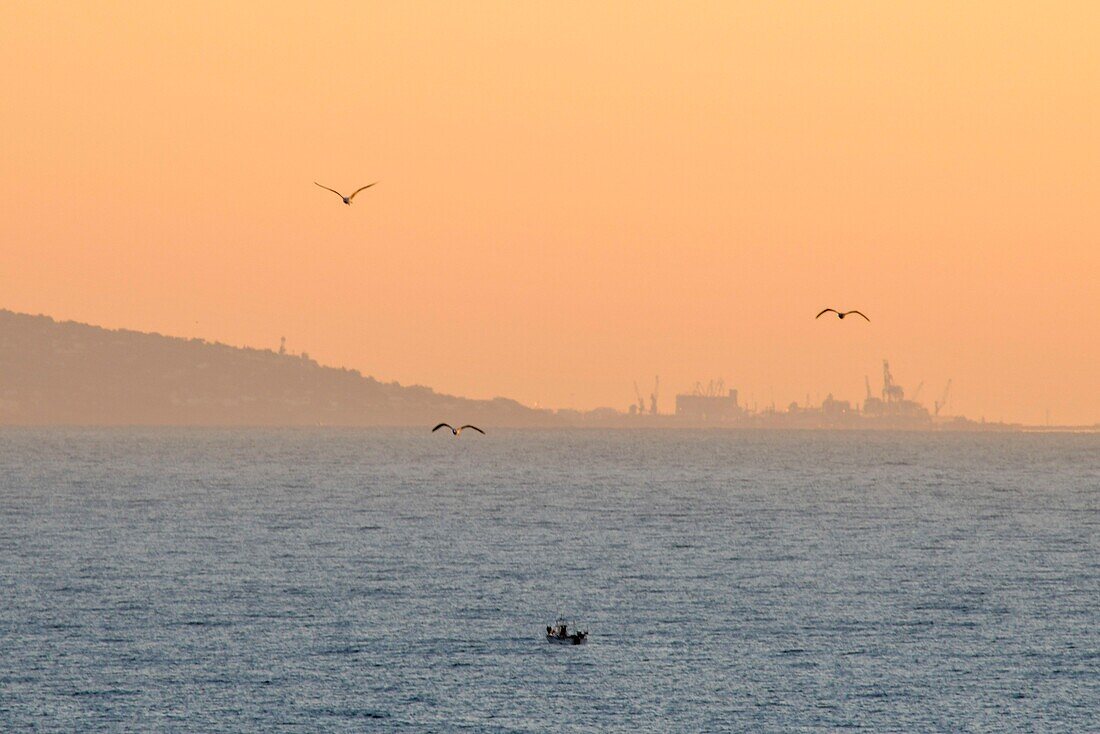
573, 198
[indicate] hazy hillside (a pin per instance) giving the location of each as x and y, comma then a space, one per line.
69, 373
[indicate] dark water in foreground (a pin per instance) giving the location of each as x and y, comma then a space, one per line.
393, 580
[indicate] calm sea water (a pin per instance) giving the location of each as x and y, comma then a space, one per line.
395, 580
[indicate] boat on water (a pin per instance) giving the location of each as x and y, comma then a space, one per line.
559, 633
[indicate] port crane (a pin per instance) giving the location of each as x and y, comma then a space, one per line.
943, 398
653, 396
714, 388
890, 390
641, 400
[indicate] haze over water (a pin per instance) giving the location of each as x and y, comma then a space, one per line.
358, 580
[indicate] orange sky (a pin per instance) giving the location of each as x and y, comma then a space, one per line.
572, 198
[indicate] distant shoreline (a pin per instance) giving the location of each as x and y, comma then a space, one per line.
990, 428
64, 373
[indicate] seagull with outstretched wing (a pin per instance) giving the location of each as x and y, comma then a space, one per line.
841, 314
347, 199
457, 431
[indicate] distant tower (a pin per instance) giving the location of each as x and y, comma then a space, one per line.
282, 345
640, 408
890, 391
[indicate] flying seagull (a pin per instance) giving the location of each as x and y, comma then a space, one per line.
841, 314
347, 199
457, 431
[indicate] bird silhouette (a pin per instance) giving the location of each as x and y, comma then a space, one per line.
841, 314
347, 199
457, 431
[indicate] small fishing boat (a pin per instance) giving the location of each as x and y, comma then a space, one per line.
559, 633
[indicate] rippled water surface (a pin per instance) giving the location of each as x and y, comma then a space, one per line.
396, 580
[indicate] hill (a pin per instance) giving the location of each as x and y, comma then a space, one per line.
69, 373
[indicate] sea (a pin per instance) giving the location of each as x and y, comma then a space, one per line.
396, 580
